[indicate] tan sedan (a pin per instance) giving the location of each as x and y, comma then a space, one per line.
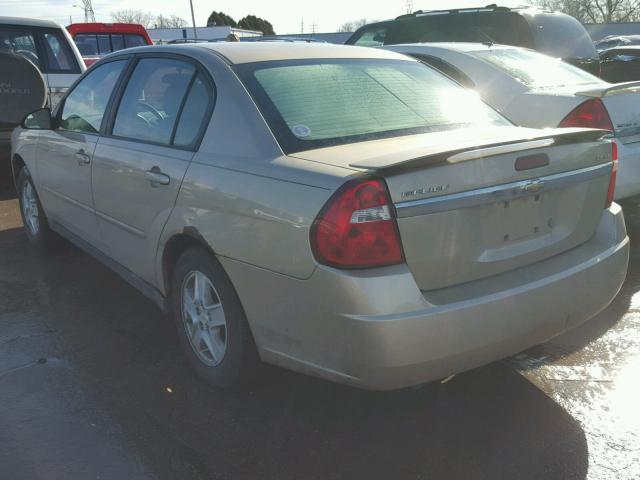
341, 211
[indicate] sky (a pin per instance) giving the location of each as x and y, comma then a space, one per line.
285, 15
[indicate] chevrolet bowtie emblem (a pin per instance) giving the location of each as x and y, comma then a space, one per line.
533, 186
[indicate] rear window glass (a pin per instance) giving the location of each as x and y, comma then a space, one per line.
20, 41
311, 104
562, 36
103, 43
131, 40
60, 57
536, 70
506, 28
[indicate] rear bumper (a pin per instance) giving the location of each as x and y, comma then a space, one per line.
376, 330
628, 178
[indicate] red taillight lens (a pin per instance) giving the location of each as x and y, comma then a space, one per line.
357, 228
590, 114
614, 173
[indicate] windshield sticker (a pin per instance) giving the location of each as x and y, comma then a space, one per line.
301, 131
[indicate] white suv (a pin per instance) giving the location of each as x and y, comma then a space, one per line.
49, 46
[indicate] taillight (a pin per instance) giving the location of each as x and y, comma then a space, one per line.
357, 227
590, 114
614, 173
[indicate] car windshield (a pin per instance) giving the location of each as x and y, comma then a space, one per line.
311, 104
535, 69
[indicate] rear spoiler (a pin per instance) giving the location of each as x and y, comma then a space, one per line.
472, 150
616, 89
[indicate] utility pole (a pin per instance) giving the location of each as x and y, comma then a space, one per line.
409, 6
302, 25
313, 27
193, 20
88, 11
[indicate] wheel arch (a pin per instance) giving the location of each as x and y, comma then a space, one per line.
174, 247
17, 164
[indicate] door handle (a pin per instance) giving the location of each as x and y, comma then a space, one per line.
156, 177
83, 157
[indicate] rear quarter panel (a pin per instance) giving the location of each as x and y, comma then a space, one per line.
247, 200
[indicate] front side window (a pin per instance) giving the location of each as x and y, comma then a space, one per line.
84, 107
151, 102
59, 56
535, 69
20, 41
314, 103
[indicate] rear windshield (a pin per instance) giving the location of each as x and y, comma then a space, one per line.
536, 70
90, 44
562, 36
506, 28
315, 103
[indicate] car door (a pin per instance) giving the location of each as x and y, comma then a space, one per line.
65, 153
139, 167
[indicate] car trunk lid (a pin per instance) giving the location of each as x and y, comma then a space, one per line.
472, 209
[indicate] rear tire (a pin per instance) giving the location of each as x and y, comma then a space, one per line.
35, 221
211, 322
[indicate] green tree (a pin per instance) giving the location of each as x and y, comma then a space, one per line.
219, 19
251, 22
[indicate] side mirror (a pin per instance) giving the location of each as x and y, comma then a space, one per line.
38, 120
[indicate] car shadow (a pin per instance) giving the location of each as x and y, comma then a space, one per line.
7, 190
488, 423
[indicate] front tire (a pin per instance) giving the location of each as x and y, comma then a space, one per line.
211, 322
35, 221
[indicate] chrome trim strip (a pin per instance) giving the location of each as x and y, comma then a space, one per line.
124, 226
499, 193
70, 200
499, 150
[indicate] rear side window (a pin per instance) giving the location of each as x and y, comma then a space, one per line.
152, 99
21, 41
193, 113
59, 55
507, 28
535, 69
446, 68
84, 107
311, 104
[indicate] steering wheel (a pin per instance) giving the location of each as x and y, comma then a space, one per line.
156, 113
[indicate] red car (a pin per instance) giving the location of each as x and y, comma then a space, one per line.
95, 40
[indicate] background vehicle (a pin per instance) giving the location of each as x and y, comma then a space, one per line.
555, 34
95, 40
620, 64
534, 90
613, 41
48, 46
345, 212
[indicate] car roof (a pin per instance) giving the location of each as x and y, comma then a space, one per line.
250, 52
29, 22
463, 47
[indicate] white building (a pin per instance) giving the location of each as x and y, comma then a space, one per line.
164, 35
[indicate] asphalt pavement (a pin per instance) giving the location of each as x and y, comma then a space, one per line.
93, 385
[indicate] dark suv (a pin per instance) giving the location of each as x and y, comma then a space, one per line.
553, 33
